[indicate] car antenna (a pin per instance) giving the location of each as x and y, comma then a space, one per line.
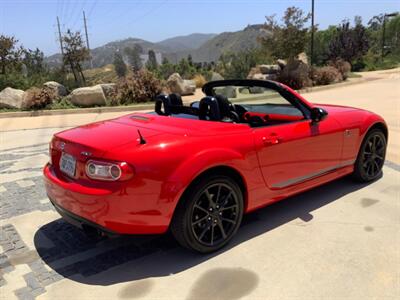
142, 141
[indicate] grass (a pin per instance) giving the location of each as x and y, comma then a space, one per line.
354, 75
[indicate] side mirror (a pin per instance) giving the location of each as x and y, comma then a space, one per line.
318, 114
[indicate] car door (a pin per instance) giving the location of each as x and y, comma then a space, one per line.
294, 152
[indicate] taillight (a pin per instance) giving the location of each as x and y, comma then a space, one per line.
102, 170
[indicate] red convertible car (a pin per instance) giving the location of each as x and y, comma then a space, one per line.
196, 169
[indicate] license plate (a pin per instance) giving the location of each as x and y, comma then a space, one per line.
68, 164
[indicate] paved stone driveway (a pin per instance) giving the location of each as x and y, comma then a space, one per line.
61, 249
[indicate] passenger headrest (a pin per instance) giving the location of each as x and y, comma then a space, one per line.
163, 105
175, 99
209, 108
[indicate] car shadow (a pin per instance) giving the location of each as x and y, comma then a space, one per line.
66, 250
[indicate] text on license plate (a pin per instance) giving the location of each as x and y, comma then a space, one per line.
68, 164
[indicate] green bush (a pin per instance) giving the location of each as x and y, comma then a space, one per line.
141, 86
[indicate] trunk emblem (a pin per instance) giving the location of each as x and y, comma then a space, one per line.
62, 146
84, 153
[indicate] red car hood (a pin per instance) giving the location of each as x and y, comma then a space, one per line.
336, 108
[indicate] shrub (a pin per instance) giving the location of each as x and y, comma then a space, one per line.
63, 103
36, 98
199, 80
326, 75
141, 86
342, 66
295, 75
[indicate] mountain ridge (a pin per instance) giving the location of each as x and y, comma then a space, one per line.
203, 47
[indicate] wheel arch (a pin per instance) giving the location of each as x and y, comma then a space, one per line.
219, 170
381, 126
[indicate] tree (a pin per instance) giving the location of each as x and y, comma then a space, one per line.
190, 59
185, 69
119, 64
133, 54
166, 69
9, 53
349, 43
322, 39
288, 39
34, 61
237, 66
74, 54
151, 64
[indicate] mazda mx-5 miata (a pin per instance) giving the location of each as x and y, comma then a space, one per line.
195, 169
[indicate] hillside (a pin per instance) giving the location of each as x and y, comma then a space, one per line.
202, 47
186, 42
225, 42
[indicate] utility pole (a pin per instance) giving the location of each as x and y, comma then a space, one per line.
87, 39
312, 33
59, 37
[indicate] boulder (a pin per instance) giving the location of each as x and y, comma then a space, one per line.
253, 71
269, 69
303, 58
216, 76
35, 98
183, 87
260, 76
281, 63
227, 91
88, 96
11, 98
108, 89
56, 88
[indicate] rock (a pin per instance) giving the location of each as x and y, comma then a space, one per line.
35, 98
108, 89
183, 87
227, 91
259, 76
303, 58
253, 71
88, 96
11, 98
269, 69
216, 76
56, 88
281, 63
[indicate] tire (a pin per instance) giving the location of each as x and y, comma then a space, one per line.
209, 214
371, 157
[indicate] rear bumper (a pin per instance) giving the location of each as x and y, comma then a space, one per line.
79, 221
114, 210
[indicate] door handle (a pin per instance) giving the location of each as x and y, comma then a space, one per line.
273, 139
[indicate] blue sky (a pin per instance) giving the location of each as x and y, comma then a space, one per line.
33, 21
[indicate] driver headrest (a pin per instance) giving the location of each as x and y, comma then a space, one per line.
175, 99
224, 105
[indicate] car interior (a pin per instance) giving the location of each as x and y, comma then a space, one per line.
255, 106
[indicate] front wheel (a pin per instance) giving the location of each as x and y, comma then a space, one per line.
371, 157
209, 214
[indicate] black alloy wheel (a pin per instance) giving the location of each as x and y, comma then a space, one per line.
371, 157
209, 215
